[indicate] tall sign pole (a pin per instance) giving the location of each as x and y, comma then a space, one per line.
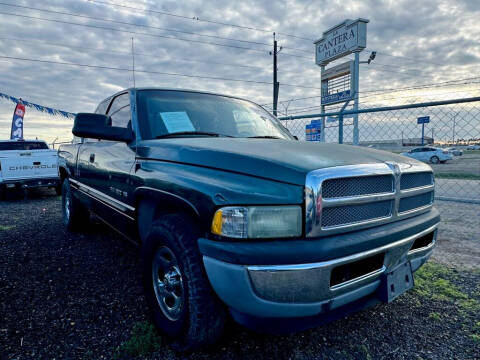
341, 40
322, 108
355, 99
423, 120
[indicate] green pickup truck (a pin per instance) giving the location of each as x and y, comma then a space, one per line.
236, 217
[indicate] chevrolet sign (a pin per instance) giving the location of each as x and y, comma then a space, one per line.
340, 40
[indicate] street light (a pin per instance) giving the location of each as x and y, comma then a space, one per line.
453, 129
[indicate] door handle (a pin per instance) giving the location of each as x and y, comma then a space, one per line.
92, 158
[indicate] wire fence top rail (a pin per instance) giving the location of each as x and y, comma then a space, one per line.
385, 108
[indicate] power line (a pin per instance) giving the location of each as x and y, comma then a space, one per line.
464, 81
423, 86
149, 72
418, 59
196, 18
132, 32
395, 72
142, 25
35, 41
309, 108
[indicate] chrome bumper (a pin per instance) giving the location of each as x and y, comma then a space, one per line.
304, 289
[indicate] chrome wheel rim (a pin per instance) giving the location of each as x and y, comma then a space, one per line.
67, 207
167, 283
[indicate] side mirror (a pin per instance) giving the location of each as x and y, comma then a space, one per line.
98, 126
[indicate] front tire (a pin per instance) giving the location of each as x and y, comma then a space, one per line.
183, 305
74, 214
434, 159
58, 189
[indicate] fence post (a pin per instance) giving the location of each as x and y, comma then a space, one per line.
340, 128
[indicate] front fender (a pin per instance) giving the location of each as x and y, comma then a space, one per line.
200, 190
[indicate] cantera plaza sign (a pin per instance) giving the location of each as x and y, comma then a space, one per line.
340, 40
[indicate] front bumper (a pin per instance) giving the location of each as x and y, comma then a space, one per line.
305, 289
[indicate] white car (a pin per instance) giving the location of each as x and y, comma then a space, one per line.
473, 147
26, 164
455, 151
429, 154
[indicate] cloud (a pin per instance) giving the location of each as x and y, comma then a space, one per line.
433, 32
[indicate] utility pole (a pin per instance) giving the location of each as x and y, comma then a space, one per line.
276, 84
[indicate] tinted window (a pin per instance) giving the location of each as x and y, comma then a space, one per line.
119, 102
121, 117
102, 107
23, 145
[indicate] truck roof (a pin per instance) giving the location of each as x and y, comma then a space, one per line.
170, 89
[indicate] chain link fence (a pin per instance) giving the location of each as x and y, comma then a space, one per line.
451, 141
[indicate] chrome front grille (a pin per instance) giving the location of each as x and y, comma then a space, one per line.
413, 180
352, 214
415, 202
346, 198
353, 186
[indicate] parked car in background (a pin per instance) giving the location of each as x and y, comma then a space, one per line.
26, 164
235, 216
455, 151
473, 147
429, 154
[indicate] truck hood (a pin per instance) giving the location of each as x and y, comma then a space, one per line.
280, 160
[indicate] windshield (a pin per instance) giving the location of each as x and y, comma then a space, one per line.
164, 113
23, 145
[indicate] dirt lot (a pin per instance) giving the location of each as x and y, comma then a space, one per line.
77, 296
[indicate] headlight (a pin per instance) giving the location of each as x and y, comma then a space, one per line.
258, 221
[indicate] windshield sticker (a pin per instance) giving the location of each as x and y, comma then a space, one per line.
177, 121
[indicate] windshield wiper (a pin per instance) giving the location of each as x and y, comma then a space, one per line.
264, 137
182, 133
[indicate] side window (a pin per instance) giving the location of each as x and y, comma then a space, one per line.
102, 107
121, 117
120, 111
119, 102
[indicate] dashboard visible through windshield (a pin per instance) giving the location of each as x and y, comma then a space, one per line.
170, 113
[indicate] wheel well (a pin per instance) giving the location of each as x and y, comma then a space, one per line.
150, 207
63, 174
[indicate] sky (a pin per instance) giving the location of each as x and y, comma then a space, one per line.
417, 42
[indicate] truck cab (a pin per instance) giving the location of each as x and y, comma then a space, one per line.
237, 218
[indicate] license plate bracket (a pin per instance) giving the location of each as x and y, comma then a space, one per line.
396, 282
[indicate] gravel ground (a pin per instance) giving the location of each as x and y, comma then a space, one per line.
459, 235
77, 296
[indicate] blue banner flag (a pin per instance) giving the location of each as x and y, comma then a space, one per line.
37, 107
17, 122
